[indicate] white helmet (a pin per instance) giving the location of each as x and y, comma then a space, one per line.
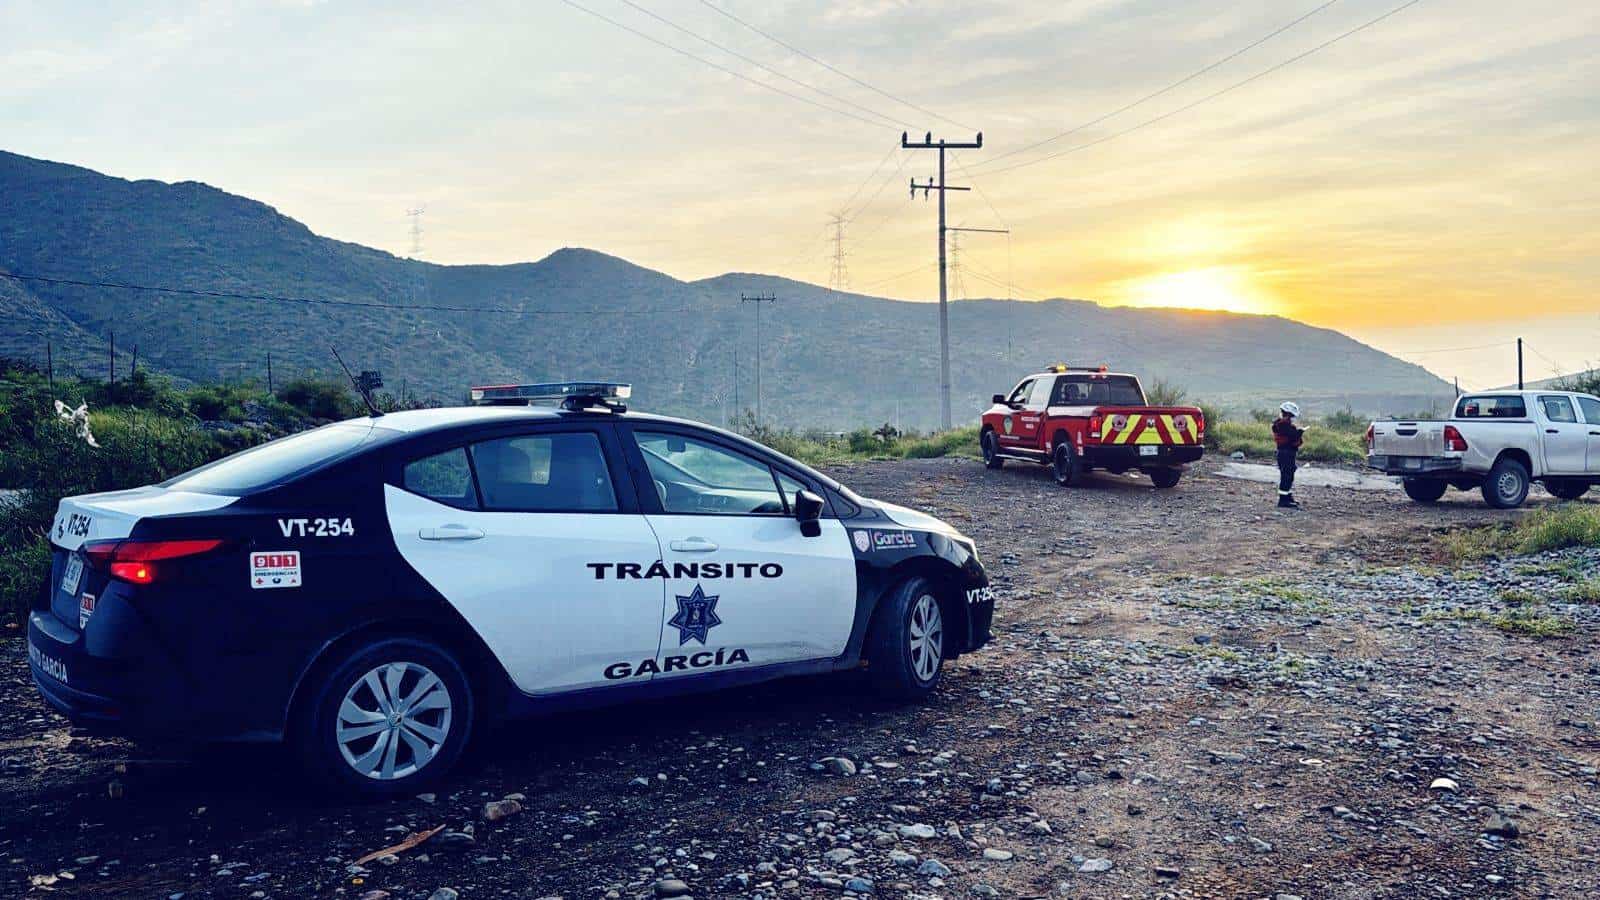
1290, 407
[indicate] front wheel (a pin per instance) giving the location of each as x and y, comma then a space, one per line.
1566, 488
391, 714
1165, 478
1507, 484
906, 652
1064, 465
991, 450
1425, 490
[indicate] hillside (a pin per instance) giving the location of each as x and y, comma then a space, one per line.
831, 359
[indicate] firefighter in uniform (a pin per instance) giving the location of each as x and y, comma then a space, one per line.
1288, 436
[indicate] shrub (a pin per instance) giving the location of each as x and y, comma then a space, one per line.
321, 399
1162, 392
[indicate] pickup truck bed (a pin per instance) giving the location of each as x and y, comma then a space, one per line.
1498, 443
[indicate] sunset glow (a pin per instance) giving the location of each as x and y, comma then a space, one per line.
1218, 288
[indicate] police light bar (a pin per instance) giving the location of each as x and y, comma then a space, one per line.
569, 394
1058, 368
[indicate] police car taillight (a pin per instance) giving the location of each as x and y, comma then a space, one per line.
136, 561
1453, 441
570, 394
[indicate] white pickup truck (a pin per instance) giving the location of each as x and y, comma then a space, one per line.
1496, 441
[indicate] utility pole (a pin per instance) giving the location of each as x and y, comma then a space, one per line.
50, 367
944, 291
1519, 364
758, 299
839, 275
269, 371
111, 369
415, 215
1458, 387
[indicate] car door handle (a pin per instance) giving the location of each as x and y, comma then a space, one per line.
693, 545
451, 533
1551, 431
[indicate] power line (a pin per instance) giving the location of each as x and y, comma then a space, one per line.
845, 206
763, 66
721, 68
322, 301
835, 70
1169, 88
1209, 97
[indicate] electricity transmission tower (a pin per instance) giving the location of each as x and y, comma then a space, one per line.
839, 275
944, 290
758, 299
415, 215
959, 288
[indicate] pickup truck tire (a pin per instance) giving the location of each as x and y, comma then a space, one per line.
1165, 478
1507, 484
1064, 465
991, 450
1425, 490
1566, 488
905, 648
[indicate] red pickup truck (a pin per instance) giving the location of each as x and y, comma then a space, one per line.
1077, 419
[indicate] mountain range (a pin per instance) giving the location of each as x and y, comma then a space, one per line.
829, 359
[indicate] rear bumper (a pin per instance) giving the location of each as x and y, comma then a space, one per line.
130, 684
1123, 456
1415, 466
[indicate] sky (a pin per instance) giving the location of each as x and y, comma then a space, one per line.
1426, 184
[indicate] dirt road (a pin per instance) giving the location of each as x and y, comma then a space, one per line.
1189, 694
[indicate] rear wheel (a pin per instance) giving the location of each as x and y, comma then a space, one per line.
1425, 490
1064, 465
1566, 488
1165, 478
393, 713
906, 650
991, 450
1507, 484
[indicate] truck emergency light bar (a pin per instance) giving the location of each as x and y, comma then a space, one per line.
572, 395
1059, 368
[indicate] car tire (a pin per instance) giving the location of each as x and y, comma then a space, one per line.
1064, 465
905, 652
1566, 488
1507, 484
1165, 478
350, 735
1425, 490
991, 450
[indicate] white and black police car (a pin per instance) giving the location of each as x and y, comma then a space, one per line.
374, 591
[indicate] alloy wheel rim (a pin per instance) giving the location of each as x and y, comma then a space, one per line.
927, 638
393, 720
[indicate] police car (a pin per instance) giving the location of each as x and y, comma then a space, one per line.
374, 591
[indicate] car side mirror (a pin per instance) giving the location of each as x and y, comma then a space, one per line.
999, 398
808, 512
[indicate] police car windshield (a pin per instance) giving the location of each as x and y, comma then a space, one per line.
278, 461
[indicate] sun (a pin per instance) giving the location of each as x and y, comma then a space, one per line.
1220, 288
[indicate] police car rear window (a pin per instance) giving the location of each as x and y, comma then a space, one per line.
279, 461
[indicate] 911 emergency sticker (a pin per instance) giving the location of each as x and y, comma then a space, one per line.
317, 527
279, 569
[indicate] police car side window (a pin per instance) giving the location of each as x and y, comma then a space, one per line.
443, 477
557, 472
1591, 410
695, 477
1021, 393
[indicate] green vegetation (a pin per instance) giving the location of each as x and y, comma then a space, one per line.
1518, 597
146, 429
1323, 442
1562, 569
885, 442
1582, 592
1539, 530
1533, 623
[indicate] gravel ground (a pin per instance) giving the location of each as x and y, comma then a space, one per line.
1190, 694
